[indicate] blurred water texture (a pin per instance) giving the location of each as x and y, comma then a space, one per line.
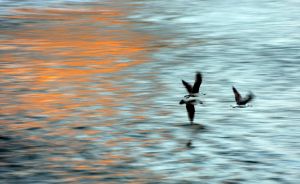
90, 91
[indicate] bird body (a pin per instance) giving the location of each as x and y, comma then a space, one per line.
190, 100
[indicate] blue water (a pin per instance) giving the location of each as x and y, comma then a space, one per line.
90, 91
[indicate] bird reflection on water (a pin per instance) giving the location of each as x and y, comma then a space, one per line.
189, 144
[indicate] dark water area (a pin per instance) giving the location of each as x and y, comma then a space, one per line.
90, 91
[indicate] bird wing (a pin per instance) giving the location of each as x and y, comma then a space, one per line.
198, 81
247, 99
187, 86
237, 95
191, 111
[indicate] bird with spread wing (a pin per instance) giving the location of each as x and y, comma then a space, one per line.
242, 100
190, 100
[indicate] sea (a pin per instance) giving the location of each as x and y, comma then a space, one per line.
90, 91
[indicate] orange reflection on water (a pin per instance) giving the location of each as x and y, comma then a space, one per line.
26, 125
61, 77
51, 54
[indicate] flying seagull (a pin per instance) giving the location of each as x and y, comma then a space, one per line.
191, 100
239, 99
193, 90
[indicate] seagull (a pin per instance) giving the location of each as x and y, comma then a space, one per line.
191, 100
193, 90
238, 98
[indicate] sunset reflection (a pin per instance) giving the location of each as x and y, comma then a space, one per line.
63, 52
60, 75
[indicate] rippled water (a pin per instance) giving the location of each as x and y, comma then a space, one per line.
90, 91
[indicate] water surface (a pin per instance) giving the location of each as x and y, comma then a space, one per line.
90, 91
